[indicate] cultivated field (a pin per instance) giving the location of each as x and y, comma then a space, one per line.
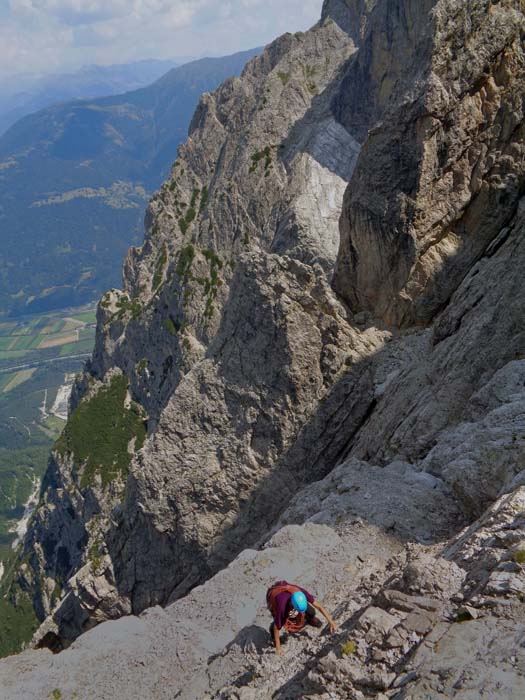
66, 334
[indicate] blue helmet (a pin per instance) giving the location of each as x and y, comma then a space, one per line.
299, 601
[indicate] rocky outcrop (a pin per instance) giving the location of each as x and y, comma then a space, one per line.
350, 15
84, 482
227, 439
457, 411
264, 170
446, 162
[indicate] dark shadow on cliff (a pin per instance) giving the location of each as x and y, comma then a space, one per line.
321, 443
253, 637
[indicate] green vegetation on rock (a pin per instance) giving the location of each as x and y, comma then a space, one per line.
185, 221
204, 199
309, 73
131, 306
169, 326
266, 153
18, 623
95, 555
211, 285
159, 269
348, 648
99, 432
212, 258
186, 257
142, 365
519, 556
194, 197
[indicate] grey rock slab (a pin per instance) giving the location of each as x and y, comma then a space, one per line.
408, 603
396, 498
166, 651
407, 248
379, 620
215, 634
478, 654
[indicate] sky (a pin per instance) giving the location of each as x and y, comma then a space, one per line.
49, 36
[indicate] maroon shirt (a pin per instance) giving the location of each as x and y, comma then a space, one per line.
282, 603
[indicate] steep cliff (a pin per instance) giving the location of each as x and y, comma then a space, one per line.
228, 375
228, 334
446, 164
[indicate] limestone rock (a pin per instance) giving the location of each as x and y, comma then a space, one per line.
446, 159
350, 15
397, 498
455, 409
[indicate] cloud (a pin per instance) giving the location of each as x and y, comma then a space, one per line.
82, 12
52, 35
29, 44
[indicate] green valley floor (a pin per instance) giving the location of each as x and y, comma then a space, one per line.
39, 357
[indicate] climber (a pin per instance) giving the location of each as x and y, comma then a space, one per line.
293, 607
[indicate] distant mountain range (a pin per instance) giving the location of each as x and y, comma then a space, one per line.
75, 179
24, 94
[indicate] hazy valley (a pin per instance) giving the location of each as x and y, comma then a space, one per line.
75, 179
24, 94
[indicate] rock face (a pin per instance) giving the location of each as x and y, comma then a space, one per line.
413, 622
350, 15
446, 164
363, 436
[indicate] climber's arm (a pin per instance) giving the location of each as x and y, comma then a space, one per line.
276, 639
326, 615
